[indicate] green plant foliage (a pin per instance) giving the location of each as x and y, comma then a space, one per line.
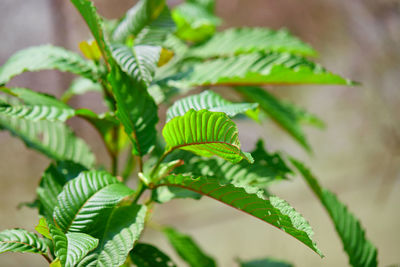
212, 102
258, 69
20, 240
194, 22
136, 110
118, 232
266, 169
274, 210
360, 250
236, 41
43, 229
80, 86
137, 18
139, 62
95, 24
207, 4
145, 255
70, 248
54, 139
286, 115
187, 249
205, 133
157, 31
84, 198
265, 263
53, 180
44, 58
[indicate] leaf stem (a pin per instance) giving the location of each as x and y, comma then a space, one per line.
140, 190
114, 155
160, 160
47, 258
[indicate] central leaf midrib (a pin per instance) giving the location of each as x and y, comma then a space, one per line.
84, 204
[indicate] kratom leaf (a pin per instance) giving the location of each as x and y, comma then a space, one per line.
194, 22
43, 229
52, 183
265, 263
205, 133
54, 139
157, 31
95, 24
136, 110
145, 255
139, 62
37, 112
20, 240
286, 115
207, 4
56, 263
70, 248
249, 40
212, 102
273, 210
187, 249
90, 49
80, 86
84, 198
120, 228
258, 69
360, 250
46, 57
266, 169
29, 97
137, 18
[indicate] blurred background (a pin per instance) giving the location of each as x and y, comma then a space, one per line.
357, 156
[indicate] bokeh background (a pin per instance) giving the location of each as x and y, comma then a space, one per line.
357, 156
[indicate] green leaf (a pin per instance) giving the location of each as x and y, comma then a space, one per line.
70, 248
43, 229
187, 249
37, 112
237, 41
258, 69
31, 98
52, 183
360, 250
265, 263
55, 263
119, 230
212, 102
54, 139
80, 86
136, 110
266, 169
44, 58
273, 210
84, 198
286, 115
95, 24
207, 4
157, 31
145, 255
139, 62
194, 22
205, 133
137, 18
20, 240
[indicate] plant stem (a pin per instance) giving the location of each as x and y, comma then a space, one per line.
47, 258
160, 160
114, 156
140, 161
140, 190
